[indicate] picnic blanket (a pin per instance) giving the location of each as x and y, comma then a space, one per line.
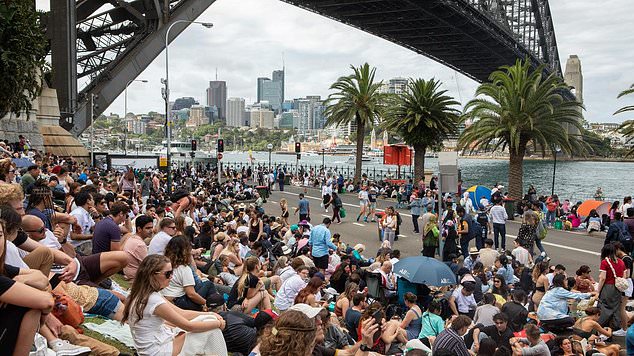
114, 330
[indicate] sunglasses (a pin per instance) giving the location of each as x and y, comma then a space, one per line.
167, 274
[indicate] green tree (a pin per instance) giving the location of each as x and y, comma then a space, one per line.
423, 116
357, 100
22, 52
627, 127
517, 107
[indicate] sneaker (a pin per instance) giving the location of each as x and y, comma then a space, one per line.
65, 348
365, 219
358, 217
619, 333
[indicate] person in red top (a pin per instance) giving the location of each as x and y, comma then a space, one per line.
552, 203
609, 296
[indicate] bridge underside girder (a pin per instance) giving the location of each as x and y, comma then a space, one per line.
452, 32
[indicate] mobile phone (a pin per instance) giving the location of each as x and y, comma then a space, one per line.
378, 318
54, 281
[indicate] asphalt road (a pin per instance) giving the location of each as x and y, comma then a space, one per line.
572, 249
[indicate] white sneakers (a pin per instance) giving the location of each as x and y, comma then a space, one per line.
65, 348
619, 333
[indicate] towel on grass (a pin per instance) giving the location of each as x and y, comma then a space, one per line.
114, 330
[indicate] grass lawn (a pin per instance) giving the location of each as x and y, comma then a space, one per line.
97, 336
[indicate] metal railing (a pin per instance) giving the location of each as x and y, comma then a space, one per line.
373, 173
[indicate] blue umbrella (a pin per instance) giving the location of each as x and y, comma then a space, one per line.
477, 192
22, 162
425, 270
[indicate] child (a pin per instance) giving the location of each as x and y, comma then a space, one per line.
521, 254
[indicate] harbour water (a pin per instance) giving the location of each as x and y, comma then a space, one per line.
575, 180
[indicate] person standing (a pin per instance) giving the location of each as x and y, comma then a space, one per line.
430, 237
464, 230
320, 241
414, 206
610, 268
280, 178
498, 218
326, 191
388, 223
363, 203
337, 204
303, 207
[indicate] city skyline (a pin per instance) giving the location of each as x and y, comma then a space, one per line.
253, 37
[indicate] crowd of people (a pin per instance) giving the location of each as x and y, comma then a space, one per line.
211, 269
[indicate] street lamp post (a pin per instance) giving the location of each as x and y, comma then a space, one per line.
323, 159
166, 96
270, 148
125, 113
556, 150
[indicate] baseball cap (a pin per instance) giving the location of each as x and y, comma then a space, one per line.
309, 311
264, 317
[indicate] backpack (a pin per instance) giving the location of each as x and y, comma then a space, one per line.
475, 229
482, 218
624, 235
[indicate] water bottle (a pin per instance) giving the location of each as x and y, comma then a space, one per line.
226, 297
331, 307
254, 311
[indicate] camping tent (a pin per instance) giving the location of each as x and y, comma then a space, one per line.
601, 207
476, 193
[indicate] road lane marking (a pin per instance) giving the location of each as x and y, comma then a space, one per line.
358, 224
402, 236
326, 216
564, 247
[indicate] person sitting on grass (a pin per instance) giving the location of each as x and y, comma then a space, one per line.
183, 290
150, 316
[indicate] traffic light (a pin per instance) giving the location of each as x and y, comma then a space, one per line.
221, 145
194, 144
298, 147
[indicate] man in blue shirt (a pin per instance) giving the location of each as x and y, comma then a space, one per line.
303, 207
320, 240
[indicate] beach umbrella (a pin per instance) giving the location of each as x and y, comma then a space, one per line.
476, 193
425, 270
601, 207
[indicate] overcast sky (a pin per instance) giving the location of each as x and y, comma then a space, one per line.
250, 37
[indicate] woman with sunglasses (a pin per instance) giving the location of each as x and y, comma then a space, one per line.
149, 316
7, 171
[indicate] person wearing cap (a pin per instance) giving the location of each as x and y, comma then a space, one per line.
320, 241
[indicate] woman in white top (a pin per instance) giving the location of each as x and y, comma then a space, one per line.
148, 315
389, 225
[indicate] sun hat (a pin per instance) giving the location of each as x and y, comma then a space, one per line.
294, 227
474, 251
309, 311
286, 250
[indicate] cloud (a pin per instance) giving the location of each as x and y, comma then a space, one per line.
250, 37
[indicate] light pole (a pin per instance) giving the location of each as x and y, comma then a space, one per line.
125, 113
270, 148
556, 150
323, 159
166, 96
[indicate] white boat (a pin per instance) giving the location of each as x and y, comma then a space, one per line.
181, 151
364, 158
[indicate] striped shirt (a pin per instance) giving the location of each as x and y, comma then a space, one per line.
449, 339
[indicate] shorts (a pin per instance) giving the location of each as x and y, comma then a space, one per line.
107, 304
89, 269
372, 205
321, 262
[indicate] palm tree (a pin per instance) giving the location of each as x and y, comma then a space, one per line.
521, 107
424, 116
627, 127
357, 100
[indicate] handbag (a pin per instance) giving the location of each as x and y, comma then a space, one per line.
342, 212
67, 310
622, 284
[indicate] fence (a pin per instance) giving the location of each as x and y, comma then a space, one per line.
373, 173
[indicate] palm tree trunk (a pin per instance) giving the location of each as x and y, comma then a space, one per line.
360, 137
419, 162
516, 172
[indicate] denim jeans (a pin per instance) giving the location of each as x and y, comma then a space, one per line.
538, 243
415, 222
499, 230
550, 218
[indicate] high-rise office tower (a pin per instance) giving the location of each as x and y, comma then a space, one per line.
272, 90
235, 112
217, 96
